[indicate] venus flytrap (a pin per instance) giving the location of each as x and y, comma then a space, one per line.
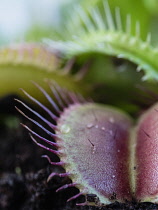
21, 63
99, 147
100, 37
110, 37
113, 42
146, 153
97, 38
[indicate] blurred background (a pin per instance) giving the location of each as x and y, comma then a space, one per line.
31, 20
21, 19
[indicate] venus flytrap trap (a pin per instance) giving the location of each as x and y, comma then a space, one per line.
21, 63
90, 36
145, 156
108, 36
99, 147
97, 36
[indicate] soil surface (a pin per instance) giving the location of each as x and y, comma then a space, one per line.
23, 173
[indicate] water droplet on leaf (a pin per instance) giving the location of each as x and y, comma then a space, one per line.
65, 129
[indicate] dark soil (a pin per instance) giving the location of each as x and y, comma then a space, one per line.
23, 173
